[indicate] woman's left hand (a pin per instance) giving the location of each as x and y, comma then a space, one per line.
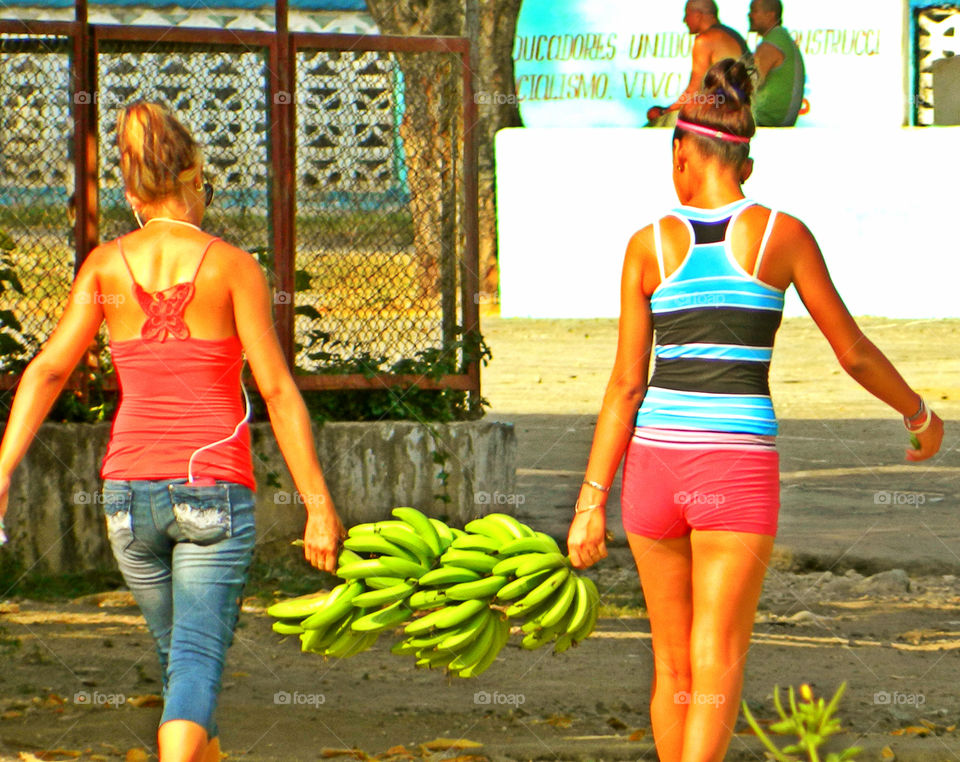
322, 538
586, 540
929, 440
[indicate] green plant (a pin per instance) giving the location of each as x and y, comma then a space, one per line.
92, 402
15, 346
811, 720
398, 402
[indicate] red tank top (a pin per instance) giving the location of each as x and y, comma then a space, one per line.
177, 397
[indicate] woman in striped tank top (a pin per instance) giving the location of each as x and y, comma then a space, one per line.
700, 483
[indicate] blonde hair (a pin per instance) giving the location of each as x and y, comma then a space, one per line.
158, 155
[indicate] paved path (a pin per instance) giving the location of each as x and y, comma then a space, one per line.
849, 498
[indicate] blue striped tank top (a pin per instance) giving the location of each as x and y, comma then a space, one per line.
715, 325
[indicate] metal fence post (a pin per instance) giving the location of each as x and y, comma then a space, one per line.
282, 107
85, 144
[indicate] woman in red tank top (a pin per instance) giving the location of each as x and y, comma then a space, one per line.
182, 309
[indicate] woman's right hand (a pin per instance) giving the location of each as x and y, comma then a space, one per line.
929, 439
321, 539
586, 540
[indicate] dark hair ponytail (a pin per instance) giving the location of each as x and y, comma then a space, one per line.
723, 103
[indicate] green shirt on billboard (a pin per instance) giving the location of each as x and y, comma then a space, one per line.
777, 102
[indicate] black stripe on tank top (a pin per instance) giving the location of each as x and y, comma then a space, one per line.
712, 376
721, 325
709, 232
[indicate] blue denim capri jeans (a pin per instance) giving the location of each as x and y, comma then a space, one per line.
184, 551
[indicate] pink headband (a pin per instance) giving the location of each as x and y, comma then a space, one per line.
710, 132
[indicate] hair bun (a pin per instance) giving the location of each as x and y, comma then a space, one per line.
733, 79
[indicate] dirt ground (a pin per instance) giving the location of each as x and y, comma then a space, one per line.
865, 590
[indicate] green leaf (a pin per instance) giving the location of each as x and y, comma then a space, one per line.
9, 320
307, 310
8, 275
302, 281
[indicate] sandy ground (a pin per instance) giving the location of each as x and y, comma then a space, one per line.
834, 608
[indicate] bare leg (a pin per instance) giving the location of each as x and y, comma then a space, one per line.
182, 741
728, 572
665, 574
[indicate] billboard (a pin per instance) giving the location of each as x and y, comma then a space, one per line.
582, 63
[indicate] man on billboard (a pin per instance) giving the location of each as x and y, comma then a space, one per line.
779, 67
714, 42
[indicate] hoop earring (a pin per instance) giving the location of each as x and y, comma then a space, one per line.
138, 218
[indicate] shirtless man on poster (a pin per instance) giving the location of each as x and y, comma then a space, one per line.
713, 43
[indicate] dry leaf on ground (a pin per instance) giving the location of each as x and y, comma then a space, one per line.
146, 700
444, 744
355, 753
559, 720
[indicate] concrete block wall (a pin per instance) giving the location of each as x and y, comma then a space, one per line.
55, 523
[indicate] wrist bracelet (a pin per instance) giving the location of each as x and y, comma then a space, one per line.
920, 411
596, 486
923, 427
591, 507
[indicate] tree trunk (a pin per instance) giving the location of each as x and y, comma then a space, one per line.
428, 140
429, 131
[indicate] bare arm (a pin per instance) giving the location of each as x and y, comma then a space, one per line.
767, 58
288, 414
702, 58
45, 376
615, 423
857, 355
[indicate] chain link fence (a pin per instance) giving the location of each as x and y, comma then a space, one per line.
380, 233
220, 94
377, 207
36, 190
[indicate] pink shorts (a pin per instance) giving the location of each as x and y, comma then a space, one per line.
703, 481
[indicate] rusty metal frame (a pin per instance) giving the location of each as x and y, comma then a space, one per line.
469, 379
281, 46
